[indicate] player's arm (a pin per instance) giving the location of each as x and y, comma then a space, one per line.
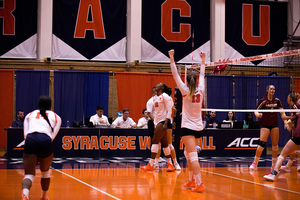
202, 72
26, 126
175, 74
260, 105
169, 106
57, 126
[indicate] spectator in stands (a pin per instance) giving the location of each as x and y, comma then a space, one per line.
230, 118
248, 118
99, 118
143, 122
20, 119
124, 121
211, 119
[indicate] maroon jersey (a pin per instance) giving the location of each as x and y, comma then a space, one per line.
269, 118
296, 120
295, 106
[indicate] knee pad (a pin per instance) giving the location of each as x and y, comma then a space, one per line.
171, 147
193, 156
262, 144
275, 148
154, 148
29, 176
166, 151
45, 174
186, 155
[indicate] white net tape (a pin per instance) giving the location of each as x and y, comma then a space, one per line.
247, 59
251, 110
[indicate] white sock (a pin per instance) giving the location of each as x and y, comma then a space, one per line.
26, 192
44, 194
198, 179
169, 160
156, 161
256, 160
191, 176
151, 161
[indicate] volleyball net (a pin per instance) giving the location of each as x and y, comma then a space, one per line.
238, 84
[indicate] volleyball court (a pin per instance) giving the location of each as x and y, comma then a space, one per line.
234, 85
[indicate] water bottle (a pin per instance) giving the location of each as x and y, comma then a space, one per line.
68, 124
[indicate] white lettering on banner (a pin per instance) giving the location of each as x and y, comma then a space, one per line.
243, 142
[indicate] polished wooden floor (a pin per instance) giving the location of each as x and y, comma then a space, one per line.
121, 178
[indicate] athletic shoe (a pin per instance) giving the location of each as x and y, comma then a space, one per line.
147, 168
161, 159
177, 167
253, 166
190, 184
24, 197
298, 168
198, 188
170, 167
156, 167
271, 177
286, 169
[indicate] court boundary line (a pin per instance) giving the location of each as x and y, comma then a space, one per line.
85, 183
239, 179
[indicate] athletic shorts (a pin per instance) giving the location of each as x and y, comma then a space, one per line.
186, 131
296, 140
169, 125
39, 144
269, 127
151, 128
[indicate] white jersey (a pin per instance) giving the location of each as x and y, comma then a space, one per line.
127, 124
143, 123
191, 109
150, 106
99, 120
35, 122
163, 107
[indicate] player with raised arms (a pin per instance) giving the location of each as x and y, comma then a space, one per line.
191, 125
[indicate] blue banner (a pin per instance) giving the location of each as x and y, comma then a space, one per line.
89, 30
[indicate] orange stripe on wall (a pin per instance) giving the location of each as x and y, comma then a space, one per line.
6, 103
135, 89
297, 85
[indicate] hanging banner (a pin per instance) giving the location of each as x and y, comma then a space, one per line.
89, 30
183, 25
18, 28
254, 28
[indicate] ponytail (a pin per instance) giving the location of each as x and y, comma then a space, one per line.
45, 104
43, 113
191, 80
